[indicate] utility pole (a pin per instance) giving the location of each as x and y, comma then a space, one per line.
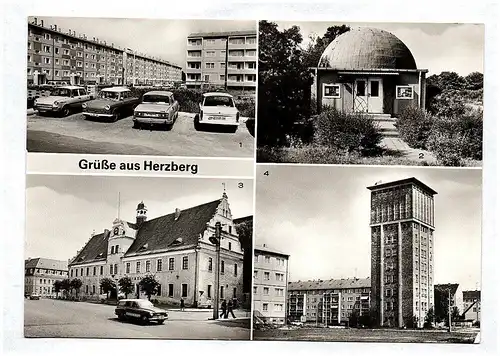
225, 67
215, 239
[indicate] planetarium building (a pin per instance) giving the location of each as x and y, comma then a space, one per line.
370, 71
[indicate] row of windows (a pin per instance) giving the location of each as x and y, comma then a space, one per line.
267, 276
46, 271
278, 292
277, 307
267, 259
343, 291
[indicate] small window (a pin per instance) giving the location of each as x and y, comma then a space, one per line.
331, 90
170, 290
404, 92
185, 263
210, 264
360, 88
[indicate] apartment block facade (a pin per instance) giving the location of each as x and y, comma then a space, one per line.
209, 53
270, 284
67, 57
329, 302
402, 251
40, 275
472, 305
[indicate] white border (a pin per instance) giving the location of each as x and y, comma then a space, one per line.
331, 96
404, 97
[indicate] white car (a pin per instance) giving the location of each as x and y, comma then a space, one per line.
62, 100
157, 108
218, 109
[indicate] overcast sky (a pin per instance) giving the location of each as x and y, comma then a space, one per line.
166, 39
62, 211
436, 47
319, 215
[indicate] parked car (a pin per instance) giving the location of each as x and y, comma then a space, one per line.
103, 297
140, 309
219, 109
157, 108
62, 100
34, 296
111, 104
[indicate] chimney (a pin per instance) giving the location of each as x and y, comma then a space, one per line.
41, 22
264, 245
55, 27
177, 213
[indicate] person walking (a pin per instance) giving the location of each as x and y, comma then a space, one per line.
230, 309
182, 304
223, 307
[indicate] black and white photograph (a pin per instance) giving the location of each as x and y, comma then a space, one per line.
370, 93
141, 86
128, 257
367, 254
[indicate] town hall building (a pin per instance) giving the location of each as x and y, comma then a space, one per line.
174, 247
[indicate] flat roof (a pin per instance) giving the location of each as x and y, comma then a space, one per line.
411, 180
116, 89
224, 34
215, 93
159, 92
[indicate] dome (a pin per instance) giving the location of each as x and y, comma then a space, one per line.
367, 48
141, 206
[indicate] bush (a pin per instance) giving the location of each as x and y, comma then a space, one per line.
414, 126
250, 124
246, 108
347, 132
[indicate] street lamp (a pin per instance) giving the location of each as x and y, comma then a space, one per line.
133, 68
215, 239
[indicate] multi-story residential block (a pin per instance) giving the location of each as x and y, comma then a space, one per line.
174, 247
71, 58
402, 251
270, 284
216, 57
40, 275
329, 302
472, 305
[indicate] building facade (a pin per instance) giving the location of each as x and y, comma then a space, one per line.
329, 302
40, 274
472, 305
402, 251
61, 57
174, 247
208, 55
368, 70
270, 282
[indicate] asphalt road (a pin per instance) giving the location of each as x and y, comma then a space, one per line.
74, 134
57, 318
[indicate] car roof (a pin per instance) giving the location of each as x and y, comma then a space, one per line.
218, 94
69, 87
116, 89
132, 300
159, 92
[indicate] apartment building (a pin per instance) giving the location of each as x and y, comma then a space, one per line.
40, 275
472, 305
67, 57
328, 302
270, 284
402, 251
217, 58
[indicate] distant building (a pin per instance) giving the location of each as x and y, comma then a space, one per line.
174, 247
402, 251
270, 284
40, 275
472, 305
328, 302
208, 53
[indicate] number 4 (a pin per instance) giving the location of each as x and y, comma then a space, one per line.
266, 173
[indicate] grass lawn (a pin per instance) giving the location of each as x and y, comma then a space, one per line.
366, 335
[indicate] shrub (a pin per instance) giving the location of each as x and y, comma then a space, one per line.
414, 126
250, 124
246, 108
347, 132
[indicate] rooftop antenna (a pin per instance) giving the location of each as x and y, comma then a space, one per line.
118, 205
224, 185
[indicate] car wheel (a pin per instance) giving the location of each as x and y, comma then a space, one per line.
197, 125
65, 111
137, 125
121, 317
116, 116
161, 322
144, 320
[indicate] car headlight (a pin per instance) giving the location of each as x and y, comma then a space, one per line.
56, 103
107, 107
35, 102
84, 105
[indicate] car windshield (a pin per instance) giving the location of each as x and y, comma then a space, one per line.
144, 304
219, 101
112, 95
61, 92
156, 99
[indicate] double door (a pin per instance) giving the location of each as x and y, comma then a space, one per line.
368, 95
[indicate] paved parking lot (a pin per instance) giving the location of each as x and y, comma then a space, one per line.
74, 134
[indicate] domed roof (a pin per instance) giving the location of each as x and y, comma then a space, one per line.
141, 205
367, 48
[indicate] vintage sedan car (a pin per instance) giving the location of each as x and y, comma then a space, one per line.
140, 309
111, 104
62, 100
34, 296
219, 109
157, 108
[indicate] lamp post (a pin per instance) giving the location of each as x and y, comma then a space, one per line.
133, 66
215, 239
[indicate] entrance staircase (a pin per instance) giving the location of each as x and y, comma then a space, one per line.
386, 124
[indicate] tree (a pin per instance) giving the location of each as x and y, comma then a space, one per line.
66, 285
76, 285
447, 81
354, 318
284, 84
455, 314
107, 285
317, 45
245, 233
57, 287
429, 318
474, 81
126, 286
149, 285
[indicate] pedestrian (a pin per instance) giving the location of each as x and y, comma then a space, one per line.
182, 304
230, 309
223, 309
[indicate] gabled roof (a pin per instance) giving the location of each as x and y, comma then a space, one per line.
95, 250
266, 249
330, 284
243, 220
46, 263
166, 232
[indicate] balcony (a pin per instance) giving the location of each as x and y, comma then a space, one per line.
242, 45
193, 70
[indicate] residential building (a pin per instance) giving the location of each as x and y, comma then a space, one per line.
328, 302
174, 247
441, 294
67, 57
216, 57
40, 274
270, 282
402, 251
472, 305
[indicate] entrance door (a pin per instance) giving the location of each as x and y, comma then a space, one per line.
360, 96
375, 96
